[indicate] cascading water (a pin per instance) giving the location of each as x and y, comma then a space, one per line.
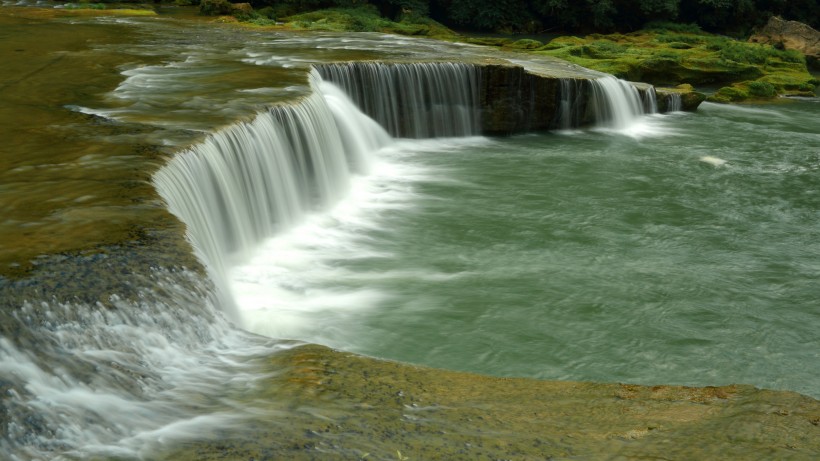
674, 103
236, 189
417, 100
650, 101
616, 104
253, 179
570, 97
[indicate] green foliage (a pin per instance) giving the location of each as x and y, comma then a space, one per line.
675, 27
361, 19
743, 52
733, 17
526, 44
507, 15
366, 18
680, 38
762, 89
602, 49
267, 13
673, 58
215, 7
602, 13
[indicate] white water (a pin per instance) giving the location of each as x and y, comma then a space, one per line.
674, 104
255, 179
617, 106
270, 204
128, 377
284, 290
415, 100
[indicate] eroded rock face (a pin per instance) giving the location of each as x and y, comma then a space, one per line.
791, 35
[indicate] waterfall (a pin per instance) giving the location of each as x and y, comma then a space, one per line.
615, 103
650, 100
253, 179
674, 102
570, 99
413, 100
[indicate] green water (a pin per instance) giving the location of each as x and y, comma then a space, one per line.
591, 256
595, 256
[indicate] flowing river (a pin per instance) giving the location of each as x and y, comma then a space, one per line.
686, 255
679, 248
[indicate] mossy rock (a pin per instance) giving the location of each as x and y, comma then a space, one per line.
526, 44
690, 99
733, 93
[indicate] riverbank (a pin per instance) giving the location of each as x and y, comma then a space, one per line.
346, 406
665, 55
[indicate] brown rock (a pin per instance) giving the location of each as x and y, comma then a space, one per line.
790, 35
245, 8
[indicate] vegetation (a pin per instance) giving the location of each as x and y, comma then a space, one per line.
733, 17
664, 52
85, 8
664, 56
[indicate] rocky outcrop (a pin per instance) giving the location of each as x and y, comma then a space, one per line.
791, 35
508, 97
682, 97
515, 100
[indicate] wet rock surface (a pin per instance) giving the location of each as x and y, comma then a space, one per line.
337, 405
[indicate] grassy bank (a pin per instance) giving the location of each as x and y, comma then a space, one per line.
675, 54
662, 54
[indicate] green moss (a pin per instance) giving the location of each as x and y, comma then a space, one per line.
665, 27
526, 44
732, 93
670, 56
761, 89
366, 19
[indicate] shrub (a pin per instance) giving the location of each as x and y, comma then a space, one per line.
664, 27
215, 7
762, 89
680, 38
744, 52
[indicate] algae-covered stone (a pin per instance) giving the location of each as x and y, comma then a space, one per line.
324, 404
689, 98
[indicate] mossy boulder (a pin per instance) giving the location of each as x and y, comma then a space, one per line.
526, 44
690, 99
669, 58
